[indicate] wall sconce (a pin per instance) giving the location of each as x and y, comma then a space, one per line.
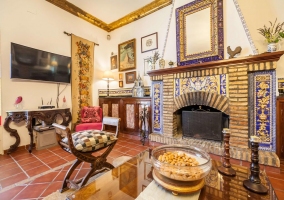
108, 76
281, 86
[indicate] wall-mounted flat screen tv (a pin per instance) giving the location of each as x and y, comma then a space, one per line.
34, 64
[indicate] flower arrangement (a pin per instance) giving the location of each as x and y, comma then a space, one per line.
274, 33
154, 58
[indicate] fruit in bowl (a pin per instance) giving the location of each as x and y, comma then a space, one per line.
181, 162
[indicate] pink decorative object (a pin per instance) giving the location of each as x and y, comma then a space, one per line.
18, 100
64, 100
18, 103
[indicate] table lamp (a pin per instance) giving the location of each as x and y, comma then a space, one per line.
108, 77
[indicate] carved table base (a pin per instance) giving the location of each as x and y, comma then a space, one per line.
48, 116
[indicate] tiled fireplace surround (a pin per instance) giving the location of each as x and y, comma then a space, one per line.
236, 103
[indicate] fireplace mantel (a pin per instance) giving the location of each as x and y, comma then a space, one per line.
260, 58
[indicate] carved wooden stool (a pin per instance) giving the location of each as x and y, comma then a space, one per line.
83, 144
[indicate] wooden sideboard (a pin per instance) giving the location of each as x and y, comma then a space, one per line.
47, 115
127, 109
280, 126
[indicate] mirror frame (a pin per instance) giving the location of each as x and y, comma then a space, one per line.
217, 32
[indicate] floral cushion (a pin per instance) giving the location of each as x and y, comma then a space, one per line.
91, 140
91, 114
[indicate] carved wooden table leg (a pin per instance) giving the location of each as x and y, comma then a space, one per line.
30, 129
254, 183
15, 117
226, 168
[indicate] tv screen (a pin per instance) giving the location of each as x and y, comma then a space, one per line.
34, 64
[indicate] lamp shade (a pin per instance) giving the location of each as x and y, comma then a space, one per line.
108, 75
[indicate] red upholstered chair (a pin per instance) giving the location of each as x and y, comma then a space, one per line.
91, 119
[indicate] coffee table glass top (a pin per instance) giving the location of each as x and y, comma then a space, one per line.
129, 179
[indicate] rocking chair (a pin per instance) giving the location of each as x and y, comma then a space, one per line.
82, 144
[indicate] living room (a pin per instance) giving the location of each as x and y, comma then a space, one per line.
41, 25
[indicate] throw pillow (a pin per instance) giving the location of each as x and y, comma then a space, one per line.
91, 114
91, 140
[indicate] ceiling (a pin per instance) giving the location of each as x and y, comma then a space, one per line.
110, 14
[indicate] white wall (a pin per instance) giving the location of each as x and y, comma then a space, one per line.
259, 13
40, 24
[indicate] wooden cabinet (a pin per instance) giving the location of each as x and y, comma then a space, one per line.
127, 109
280, 127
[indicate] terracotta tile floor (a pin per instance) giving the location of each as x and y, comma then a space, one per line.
36, 175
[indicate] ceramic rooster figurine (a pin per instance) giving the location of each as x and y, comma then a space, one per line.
237, 50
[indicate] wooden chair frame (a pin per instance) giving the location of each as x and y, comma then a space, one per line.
98, 163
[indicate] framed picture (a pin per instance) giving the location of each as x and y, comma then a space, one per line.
146, 66
130, 77
120, 76
127, 55
120, 83
113, 62
149, 42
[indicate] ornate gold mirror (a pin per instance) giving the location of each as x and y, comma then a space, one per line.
199, 26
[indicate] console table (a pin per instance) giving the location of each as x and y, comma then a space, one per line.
47, 115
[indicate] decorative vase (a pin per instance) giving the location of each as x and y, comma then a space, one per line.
162, 63
272, 47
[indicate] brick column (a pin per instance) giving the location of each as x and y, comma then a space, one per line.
238, 95
168, 106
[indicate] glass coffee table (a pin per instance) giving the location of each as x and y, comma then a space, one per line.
129, 179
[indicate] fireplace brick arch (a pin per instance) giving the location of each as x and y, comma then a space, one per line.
210, 99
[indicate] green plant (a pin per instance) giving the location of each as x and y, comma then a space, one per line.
274, 33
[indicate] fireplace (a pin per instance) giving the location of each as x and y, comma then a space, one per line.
239, 88
203, 124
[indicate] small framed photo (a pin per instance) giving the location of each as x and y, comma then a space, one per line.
113, 62
130, 77
120, 76
149, 42
127, 55
120, 83
146, 66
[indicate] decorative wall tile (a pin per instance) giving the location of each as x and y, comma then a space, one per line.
114, 110
105, 109
264, 105
122, 92
130, 116
216, 84
157, 107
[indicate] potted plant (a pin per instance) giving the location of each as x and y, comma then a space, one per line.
152, 60
272, 34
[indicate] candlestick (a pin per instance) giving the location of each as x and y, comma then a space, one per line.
226, 169
254, 183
